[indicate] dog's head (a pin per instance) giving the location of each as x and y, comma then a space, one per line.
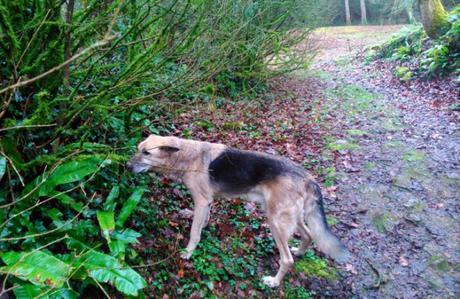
155, 153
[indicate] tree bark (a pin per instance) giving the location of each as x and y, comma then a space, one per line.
433, 17
410, 14
347, 12
363, 12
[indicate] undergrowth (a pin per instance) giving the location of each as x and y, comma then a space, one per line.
421, 56
81, 83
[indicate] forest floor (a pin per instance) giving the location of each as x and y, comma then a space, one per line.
398, 172
387, 156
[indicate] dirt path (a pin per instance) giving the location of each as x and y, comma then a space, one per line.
396, 151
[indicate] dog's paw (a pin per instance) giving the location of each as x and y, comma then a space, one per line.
270, 281
186, 255
296, 251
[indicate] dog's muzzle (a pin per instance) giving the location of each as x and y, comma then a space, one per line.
136, 167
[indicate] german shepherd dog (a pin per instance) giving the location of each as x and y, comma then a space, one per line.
286, 192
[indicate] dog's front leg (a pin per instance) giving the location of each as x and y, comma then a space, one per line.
200, 219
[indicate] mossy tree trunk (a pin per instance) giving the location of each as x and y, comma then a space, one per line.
434, 17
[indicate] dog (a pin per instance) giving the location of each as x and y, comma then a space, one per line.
285, 191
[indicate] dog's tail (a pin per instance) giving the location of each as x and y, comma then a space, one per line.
319, 230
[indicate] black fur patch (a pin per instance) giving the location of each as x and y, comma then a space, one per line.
238, 171
319, 200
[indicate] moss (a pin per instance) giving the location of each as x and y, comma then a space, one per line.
370, 165
233, 125
313, 266
331, 221
403, 73
393, 145
438, 263
340, 145
296, 293
434, 18
413, 156
383, 222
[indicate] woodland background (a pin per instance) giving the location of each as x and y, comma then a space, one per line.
83, 81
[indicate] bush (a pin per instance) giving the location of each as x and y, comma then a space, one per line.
81, 83
434, 57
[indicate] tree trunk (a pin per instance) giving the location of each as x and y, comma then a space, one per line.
363, 12
347, 12
434, 17
410, 14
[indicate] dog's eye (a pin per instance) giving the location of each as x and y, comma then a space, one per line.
145, 153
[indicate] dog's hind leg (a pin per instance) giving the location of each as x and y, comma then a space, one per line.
305, 238
282, 227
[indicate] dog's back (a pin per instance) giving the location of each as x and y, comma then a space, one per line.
236, 172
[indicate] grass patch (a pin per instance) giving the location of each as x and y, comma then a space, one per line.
355, 132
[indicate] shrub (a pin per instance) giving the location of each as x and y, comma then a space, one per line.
434, 57
81, 82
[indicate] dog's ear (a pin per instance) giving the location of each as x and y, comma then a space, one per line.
169, 149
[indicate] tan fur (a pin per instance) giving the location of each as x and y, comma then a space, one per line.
288, 202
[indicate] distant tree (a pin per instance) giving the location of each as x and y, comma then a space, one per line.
433, 17
347, 12
363, 12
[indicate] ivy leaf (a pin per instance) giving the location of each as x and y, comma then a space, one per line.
125, 280
128, 235
117, 248
105, 268
38, 267
109, 204
106, 223
27, 291
69, 172
129, 206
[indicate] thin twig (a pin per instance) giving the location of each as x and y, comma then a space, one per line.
26, 127
32, 38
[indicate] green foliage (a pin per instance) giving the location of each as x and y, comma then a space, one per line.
129, 206
38, 267
403, 44
66, 135
106, 223
434, 57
